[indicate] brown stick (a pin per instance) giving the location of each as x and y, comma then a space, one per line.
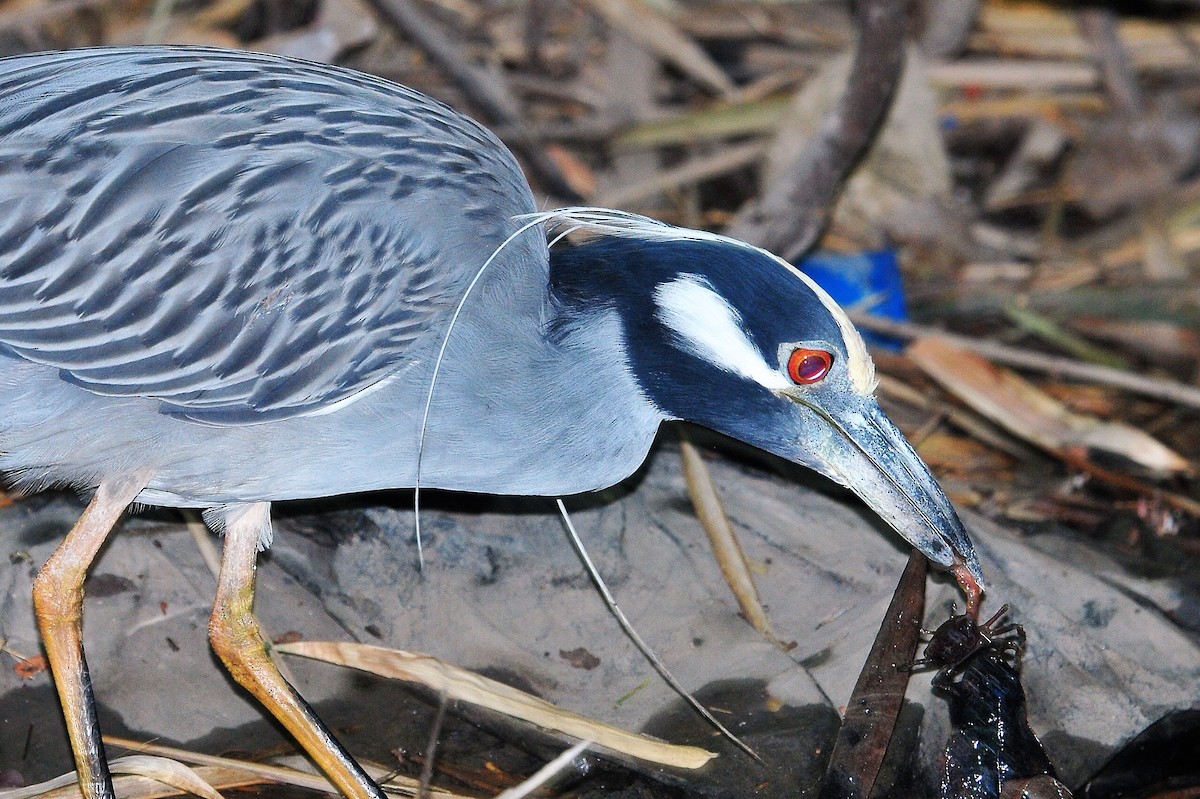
878, 695
796, 208
1099, 28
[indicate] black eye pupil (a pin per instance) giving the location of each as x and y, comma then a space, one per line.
811, 367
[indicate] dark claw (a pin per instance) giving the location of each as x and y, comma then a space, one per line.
960, 637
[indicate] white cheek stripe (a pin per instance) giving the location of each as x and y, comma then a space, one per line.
709, 327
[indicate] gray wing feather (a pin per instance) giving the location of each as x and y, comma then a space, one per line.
242, 237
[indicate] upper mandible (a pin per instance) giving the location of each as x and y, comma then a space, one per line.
241, 236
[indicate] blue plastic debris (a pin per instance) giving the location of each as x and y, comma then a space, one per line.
869, 282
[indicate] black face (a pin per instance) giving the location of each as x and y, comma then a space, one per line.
776, 311
723, 335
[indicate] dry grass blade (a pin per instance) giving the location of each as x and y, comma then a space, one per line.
466, 686
1007, 74
1023, 358
223, 13
260, 771
167, 771
265, 772
726, 548
1043, 31
1046, 329
708, 124
44, 788
691, 171
1029, 413
1035, 104
142, 777
129, 786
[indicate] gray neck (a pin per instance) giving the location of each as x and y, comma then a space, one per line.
536, 416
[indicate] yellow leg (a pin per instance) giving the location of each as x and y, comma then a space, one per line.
238, 642
58, 603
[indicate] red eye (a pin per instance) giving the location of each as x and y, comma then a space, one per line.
809, 366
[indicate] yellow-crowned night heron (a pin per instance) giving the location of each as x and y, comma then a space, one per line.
228, 279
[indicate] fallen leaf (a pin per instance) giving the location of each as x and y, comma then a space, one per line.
961, 455
1030, 413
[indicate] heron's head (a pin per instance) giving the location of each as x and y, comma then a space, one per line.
731, 338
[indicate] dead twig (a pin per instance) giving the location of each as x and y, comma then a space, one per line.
1177, 303
644, 25
1099, 28
484, 89
796, 208
694, 170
